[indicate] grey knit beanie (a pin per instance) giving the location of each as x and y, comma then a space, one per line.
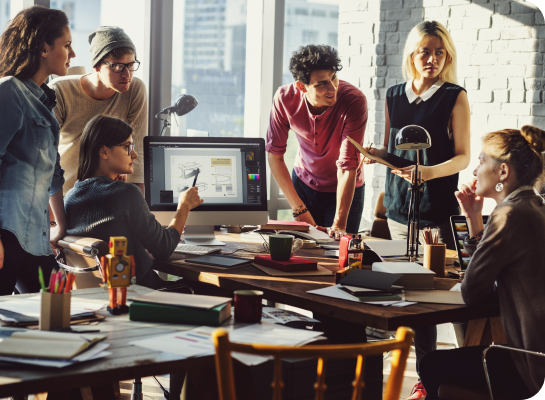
107, 38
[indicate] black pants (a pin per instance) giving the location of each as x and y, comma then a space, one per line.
21, 268
464, 367
323, 205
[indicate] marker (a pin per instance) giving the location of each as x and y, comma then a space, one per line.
52, 280
195, 180
41, 278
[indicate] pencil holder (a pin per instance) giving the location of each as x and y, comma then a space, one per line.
435, 258
55, 311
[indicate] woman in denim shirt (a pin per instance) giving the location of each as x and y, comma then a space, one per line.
36, 44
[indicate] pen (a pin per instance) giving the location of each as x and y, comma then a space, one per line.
61, 286
195, 180
57, 282
52, 280
41, 278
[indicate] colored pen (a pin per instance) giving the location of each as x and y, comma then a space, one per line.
195, 180
41, 278
52, 281
61, 286
57, 282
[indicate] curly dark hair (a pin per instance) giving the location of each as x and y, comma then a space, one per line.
313, 57
24, 39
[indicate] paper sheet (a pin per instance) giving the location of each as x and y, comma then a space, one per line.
390, 248
30, 306
333, 291
320, 271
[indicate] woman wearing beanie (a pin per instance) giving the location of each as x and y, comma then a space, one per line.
508, 262
110, 89
36, 44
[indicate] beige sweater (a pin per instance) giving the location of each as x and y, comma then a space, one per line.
512, 254
75, 108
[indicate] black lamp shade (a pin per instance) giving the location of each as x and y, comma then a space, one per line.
184, 104
413, 137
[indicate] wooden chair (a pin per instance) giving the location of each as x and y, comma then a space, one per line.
400, 346
380, 228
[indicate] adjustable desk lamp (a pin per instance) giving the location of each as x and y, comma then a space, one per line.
413, 137
184, 104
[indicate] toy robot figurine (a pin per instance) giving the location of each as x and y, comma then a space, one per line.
117, 270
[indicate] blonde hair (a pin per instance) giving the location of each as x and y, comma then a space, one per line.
521, 149
423, 29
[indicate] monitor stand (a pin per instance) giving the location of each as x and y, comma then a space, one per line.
201, 235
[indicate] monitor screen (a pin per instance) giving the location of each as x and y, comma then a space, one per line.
229, 172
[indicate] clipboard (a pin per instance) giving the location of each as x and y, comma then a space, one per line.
399, 160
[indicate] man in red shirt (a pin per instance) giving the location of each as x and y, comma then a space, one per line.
326, 187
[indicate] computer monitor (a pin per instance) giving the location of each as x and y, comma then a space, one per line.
231, 178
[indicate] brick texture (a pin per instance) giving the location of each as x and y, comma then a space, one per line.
501, 50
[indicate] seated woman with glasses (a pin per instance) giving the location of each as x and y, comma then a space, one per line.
110, 89
101, 204
508, 261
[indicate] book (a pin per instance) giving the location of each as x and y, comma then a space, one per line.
388, 297
287, 225
178, 314
392, 161
364, 278
44, 344
434, 296
414, 276
158, 297
294, 264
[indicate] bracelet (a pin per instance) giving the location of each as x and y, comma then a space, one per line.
296, 214
298, 208
474, 239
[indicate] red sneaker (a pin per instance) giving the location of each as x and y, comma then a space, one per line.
417, 392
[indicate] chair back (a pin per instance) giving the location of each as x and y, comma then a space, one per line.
400, 348
81, 255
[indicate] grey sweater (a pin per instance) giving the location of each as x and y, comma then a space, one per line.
100, 207
512, 253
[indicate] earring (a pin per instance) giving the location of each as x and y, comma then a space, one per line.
499, 187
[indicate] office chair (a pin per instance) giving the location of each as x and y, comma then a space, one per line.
454, 392
400, 346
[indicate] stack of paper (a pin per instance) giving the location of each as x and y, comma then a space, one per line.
50, 349
27, 309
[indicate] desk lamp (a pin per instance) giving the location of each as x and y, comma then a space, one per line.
413, 137
184, 104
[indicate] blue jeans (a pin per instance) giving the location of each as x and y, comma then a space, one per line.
323, 205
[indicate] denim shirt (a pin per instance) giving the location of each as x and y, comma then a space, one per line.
30, 168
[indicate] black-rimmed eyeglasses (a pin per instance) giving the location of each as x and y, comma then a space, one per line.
128, 146
118, 67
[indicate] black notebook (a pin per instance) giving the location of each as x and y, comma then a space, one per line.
219, 261
364, 278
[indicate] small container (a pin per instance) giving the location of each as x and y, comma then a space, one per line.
435, 258
55, 311
248, 305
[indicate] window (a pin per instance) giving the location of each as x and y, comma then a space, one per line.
208, 62
301, 29
87, 15
5, 10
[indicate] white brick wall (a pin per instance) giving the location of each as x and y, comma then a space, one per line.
501, 47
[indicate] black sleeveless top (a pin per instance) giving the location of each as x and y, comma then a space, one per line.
438, 202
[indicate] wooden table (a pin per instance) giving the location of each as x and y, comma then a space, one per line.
96, 377
292, 291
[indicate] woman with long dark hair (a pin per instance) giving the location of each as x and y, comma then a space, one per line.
37, 43
101, 204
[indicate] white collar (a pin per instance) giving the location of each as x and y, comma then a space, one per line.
412, 96
520, 189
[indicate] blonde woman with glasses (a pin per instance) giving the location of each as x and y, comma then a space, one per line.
430, 98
